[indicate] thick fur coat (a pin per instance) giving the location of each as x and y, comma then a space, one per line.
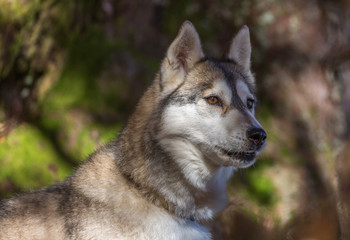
167, 170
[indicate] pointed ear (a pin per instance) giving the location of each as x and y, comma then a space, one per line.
182, 54
240, 48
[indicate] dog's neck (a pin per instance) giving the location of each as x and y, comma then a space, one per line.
175, 182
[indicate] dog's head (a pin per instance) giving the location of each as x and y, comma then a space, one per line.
208, 105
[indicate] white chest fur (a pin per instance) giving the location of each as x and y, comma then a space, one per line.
156, 226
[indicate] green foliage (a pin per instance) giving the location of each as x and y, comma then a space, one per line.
17, 11
260, 187
87, 55
256, 184
66, 131
28, 160
68, 107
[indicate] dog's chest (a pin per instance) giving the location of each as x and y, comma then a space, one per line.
153, 227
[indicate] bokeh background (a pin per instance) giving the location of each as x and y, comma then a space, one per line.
72, 71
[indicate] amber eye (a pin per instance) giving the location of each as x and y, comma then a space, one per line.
213, 100
250, 103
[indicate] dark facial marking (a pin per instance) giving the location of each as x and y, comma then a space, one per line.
231, 76
229, 69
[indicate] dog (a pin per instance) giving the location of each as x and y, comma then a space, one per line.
166, 173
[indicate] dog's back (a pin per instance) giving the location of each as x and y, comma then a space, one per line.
34, 215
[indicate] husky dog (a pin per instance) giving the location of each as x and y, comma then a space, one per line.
167, 170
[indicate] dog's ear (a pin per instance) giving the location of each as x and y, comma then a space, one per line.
240, 48
182, 54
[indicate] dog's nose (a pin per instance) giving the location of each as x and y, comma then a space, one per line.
256, 136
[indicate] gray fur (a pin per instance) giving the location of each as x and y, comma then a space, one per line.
137, 186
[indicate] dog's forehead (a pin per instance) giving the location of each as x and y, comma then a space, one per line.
214, 68
207, 71
219, 75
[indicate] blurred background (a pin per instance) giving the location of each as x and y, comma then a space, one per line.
72, 71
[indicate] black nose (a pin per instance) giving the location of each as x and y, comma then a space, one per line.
256, 136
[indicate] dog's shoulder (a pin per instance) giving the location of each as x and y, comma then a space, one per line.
126, 213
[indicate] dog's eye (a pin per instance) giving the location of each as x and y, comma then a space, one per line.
214, 100
250, 103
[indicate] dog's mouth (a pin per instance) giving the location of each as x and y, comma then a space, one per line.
240, 159
245, 156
